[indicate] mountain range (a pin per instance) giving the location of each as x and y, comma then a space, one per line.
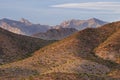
47, 32
89, 54
81, 24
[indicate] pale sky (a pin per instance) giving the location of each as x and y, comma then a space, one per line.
53, 12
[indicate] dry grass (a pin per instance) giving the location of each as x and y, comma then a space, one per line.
73, 55
16, 47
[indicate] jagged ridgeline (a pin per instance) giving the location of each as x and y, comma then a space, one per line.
47, 32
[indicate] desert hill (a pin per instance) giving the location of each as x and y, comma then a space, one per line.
110, 48
72, 56
15, 47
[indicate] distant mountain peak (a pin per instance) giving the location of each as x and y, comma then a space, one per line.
23, 20
82, 24
96, 20
23, 26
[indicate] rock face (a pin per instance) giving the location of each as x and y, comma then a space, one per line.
22, 27
25, 21
55, 34
81, 24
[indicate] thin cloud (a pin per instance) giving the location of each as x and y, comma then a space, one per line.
113, 6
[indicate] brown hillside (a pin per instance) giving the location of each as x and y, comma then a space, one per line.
110, 49
74, 54
70, 76
15, 47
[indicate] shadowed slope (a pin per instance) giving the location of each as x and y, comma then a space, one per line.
55, 34
15, 47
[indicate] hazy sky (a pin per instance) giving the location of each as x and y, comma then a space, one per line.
53, 12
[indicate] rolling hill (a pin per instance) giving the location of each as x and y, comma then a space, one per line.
109, 49
15, 47
73, 58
